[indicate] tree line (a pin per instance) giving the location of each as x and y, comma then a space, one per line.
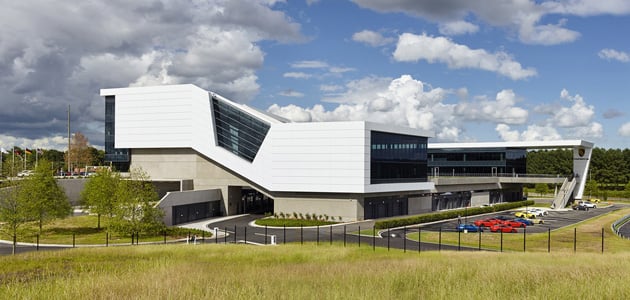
81, 154
610, 168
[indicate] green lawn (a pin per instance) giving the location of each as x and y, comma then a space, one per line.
83, 230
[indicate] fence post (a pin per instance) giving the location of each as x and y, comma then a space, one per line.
440, 239
344, 235
405, 239
388, 235
479, 231
317, 235
524, 238
38, 242
265, 234
549, 240
216, 235
459, 240
419, 239
164, 233
374, 238
330, 234
501, 240
107, 239
73, 240
359, 236
234, 234
245, 232
301, 234
284, 233
574, 239
602, 239
225, 235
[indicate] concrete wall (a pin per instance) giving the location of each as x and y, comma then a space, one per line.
418, 205
73, 188
480, 198
183, 198
348, 209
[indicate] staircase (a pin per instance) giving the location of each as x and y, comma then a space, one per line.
564, 194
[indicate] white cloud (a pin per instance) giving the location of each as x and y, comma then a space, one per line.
532, 133
501, 110
522, 16
291, 93
300, 75
624, 130
411, 48
577, 115
309, 64
611, 54
591, 130
457, 28
371, 38
330, 87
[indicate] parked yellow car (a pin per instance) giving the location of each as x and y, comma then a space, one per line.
595, 200
524, 214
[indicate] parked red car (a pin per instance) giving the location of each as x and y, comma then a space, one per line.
487, 222
515, 224
502, 228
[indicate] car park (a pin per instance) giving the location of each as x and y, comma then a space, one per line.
529, 222
468, 228
487, 222
502, 228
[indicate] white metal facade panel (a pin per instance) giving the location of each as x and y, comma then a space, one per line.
325, 157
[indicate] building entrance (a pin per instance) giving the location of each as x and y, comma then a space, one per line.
384, 207
254, 202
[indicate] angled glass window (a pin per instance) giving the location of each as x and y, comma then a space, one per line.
238, 131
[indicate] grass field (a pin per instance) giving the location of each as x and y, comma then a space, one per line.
308, 272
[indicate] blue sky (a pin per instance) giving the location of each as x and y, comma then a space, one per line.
489, 70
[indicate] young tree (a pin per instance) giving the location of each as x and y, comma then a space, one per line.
14, 212
99, 193
541, 188
45, 199
80, 152
136, 209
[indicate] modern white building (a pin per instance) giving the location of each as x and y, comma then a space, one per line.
231, 159
260, 162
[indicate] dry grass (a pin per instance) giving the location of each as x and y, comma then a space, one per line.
308, 272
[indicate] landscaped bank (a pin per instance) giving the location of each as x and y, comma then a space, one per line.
308, 272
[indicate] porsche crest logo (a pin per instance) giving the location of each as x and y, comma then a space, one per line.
581, 152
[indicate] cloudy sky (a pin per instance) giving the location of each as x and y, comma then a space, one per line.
486, 70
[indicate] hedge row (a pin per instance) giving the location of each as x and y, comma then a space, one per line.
449, 214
